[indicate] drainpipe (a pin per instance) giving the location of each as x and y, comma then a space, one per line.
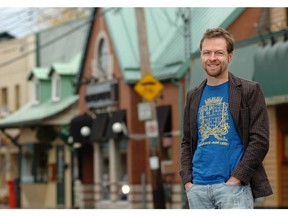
181, 107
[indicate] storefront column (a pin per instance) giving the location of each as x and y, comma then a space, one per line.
98, 171
113, 169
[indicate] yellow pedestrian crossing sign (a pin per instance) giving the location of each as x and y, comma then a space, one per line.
148, 87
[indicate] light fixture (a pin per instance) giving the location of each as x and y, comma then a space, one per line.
85, 131
70, 140
77, 145
125, 189
117, 127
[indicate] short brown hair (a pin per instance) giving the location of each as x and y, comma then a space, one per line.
219, 33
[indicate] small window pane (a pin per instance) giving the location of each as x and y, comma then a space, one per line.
103, 56
34, 158
27, 164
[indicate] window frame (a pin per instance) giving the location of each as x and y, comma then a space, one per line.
36, 91
56, 87
35, 163
103, 57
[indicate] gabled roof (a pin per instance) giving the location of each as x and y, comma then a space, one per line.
70, 68
33, 114
6, 36
39, 73
165, 31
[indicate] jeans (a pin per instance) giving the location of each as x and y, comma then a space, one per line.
220, 196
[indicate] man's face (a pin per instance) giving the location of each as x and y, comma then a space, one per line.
214, 57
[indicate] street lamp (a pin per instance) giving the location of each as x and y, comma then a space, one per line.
85, 131
119, 127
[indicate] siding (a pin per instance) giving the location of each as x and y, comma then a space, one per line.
270, 163
278, 18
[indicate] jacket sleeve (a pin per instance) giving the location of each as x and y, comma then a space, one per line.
257, 127
186, 153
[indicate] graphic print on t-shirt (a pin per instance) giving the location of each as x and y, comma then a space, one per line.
213, 119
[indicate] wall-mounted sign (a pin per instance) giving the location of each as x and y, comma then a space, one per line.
151, 128
102, 94
144, 111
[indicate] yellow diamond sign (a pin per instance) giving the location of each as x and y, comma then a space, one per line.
148, 87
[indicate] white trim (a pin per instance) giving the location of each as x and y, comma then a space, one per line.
56, 87
36, 91
102, 35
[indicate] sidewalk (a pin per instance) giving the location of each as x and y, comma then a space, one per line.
4, 206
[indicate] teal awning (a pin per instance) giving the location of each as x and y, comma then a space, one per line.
32, 114
271, 72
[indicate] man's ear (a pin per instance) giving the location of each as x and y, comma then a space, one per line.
230, 56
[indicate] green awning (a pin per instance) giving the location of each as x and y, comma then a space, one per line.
271, 71
32, 114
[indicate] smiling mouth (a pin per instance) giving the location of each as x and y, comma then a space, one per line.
213, 65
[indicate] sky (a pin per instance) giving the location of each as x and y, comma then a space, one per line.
22, 21
145, 3
20, 17
18, 21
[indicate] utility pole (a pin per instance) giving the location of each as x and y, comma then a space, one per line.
152, 143
185, 14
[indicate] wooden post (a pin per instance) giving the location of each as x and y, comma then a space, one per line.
156, 176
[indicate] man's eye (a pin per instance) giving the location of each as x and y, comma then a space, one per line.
219, 53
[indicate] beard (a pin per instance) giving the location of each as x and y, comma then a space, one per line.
215, 69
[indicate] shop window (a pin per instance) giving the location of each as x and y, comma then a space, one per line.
166, 148
123, 185
34, 158
164, 117
105, 171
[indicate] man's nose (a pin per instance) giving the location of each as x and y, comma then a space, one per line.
212, 56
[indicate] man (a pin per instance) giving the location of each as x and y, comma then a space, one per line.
226, 133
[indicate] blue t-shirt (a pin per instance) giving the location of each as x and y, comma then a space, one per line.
219, 147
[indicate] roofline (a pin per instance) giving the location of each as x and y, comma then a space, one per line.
232, 17
21, 124
85, 54
35, 121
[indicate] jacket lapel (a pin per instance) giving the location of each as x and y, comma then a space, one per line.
194, 111
235, 94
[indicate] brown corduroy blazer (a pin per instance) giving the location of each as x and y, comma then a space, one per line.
249, 112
